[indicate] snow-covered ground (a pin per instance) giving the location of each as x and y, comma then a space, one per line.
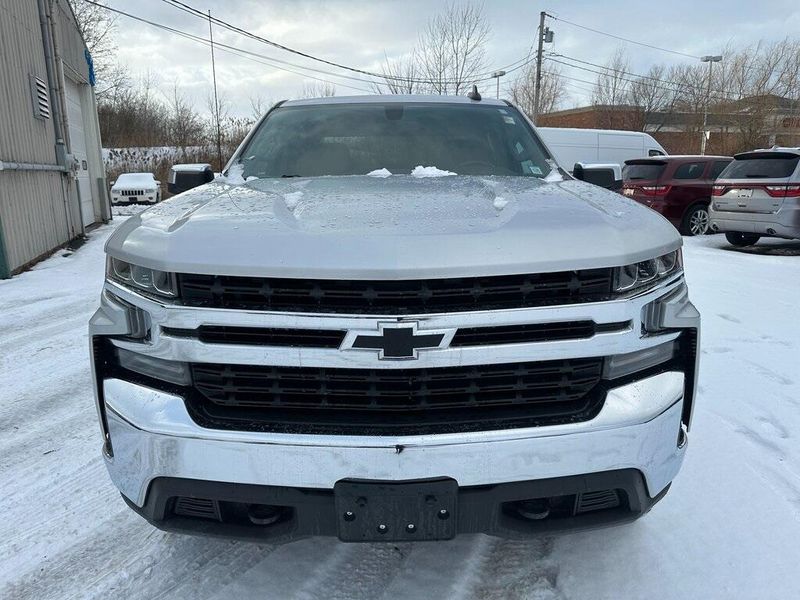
729, 528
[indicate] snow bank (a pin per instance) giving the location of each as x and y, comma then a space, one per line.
379, 173
420, 171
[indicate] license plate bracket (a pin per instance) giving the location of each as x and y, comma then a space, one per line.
379, 511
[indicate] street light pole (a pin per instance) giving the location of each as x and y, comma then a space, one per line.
710, 60
497, 75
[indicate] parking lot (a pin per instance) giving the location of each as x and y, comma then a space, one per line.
728, 527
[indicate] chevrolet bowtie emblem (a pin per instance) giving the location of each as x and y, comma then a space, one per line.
400, 340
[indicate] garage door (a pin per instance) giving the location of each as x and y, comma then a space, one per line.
77, 139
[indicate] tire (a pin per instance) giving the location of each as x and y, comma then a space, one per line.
696, 220
740, 240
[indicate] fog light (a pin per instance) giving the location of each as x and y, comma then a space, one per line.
165, 370
620, 365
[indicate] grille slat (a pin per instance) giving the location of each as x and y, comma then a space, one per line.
395, 297
396, 400
465, 336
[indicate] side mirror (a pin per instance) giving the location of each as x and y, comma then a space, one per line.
187, 177
607, 176
112, 183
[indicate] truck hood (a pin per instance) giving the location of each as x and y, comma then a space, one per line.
397, 227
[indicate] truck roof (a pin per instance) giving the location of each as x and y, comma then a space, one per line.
394, 98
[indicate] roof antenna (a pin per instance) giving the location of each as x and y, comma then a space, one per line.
474, 95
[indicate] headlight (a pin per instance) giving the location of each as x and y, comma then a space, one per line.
647, 273
150, 281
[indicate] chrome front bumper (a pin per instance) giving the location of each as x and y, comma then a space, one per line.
639, 427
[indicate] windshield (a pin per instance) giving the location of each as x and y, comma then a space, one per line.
760, 168
647, 171
356, 139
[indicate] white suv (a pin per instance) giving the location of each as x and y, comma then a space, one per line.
136, 188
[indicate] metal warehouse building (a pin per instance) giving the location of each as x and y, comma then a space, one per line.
52, 179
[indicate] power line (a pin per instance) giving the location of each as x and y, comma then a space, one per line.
266, 60
607, 68
270, 61
617, 37
669, 86
384, 76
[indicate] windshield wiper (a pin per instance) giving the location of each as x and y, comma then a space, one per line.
290, 175
758, 176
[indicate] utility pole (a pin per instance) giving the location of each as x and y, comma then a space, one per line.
710, 60
216, 98
539, 53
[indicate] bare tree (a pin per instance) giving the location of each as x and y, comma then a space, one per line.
401, 75
259, 105
219, 109
552, 94
611, 89
651, 97
97, 26
318, 89
186, 128
452, 48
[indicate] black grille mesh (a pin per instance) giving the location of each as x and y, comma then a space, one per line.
396, 400
395, 297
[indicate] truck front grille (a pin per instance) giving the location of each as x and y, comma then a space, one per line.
395, 297
395, 401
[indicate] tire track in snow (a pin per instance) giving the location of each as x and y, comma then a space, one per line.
517, 570
440, 569
365, 572
153, 565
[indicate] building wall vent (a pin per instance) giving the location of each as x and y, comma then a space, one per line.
40, 98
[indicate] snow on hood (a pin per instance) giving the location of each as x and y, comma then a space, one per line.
420, 171
394, 227
135, 180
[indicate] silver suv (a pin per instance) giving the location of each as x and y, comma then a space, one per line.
757, 195
394, 318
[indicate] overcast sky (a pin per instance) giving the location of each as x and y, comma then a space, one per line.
358, 34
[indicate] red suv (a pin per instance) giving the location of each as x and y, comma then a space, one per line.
678, 187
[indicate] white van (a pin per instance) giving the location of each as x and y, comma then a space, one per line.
571, 146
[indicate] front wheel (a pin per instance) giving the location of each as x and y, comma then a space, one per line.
740, 240
696, 221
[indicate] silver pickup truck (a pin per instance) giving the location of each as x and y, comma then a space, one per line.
393, 318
